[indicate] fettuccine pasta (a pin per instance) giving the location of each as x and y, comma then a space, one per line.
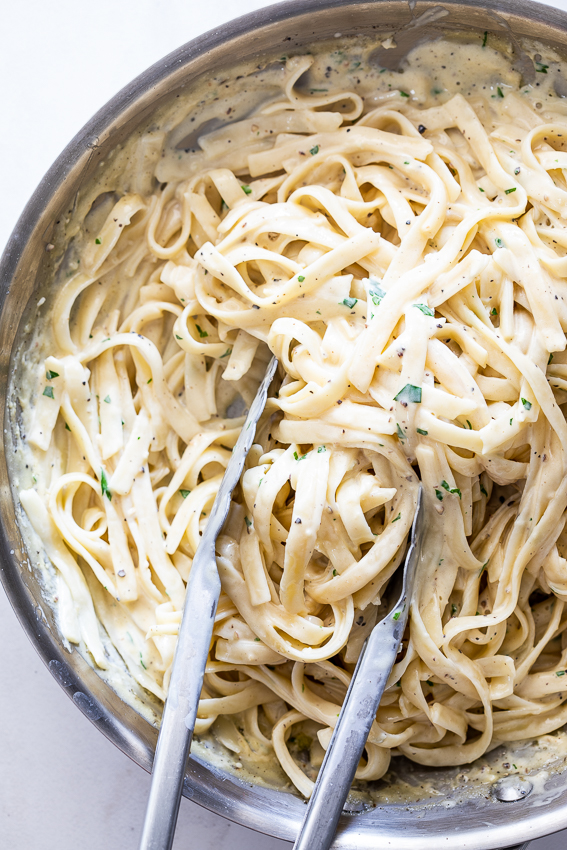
405, 258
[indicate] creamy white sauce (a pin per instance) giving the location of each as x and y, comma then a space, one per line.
431, 75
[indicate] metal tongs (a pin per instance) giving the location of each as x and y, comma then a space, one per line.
195, 632
359, 709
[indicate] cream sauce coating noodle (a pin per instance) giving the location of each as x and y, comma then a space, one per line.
400, 243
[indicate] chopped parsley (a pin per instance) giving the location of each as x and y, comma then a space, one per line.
247, 190
409, 394
439, 494
449, 490
97, 241
422, 432
185, 493
485, 39
50, 375
48, 391
399, 432
104, 486
499, 243
226, 354
202, 333
404, 93
527, 404
427, 311
107, 399
399, 516
509, 191
349, 302
248, 522
300, 278
541, 68
500, 92
314, 150
396, 616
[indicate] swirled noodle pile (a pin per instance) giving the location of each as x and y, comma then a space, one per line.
408, 267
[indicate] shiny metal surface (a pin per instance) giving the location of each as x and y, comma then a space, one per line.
358, 712
475, 824
194, 641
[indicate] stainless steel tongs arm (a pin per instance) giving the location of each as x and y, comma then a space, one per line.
359, 709
194, 640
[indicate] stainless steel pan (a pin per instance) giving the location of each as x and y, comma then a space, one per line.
472, 824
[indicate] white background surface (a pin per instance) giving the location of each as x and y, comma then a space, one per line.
63, 786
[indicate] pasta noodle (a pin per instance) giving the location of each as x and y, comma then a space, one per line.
405, 258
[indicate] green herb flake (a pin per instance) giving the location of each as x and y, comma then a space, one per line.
335, 573
427, 311
296, 456
314, 150
107, 399
301, 278
482, 569
560, 673
404, 93
409, 394
50, 375
349, 302
48, 391
396, 616
247, 190
448, 488
429, 682
483, 491
422, 432
375, 291
541, 68
469, 424
248, 522
500, 92
399, 516
257, 639
185, 493
104, 486
97, 241
202, 333
321, 449
439, 494
527, 404
485, 39
399, 432
67, 427
453, 610
494, 312
550, 359
509, 191
480, 189
498, 242
142, 662
147, 382
226, 354
178, 337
